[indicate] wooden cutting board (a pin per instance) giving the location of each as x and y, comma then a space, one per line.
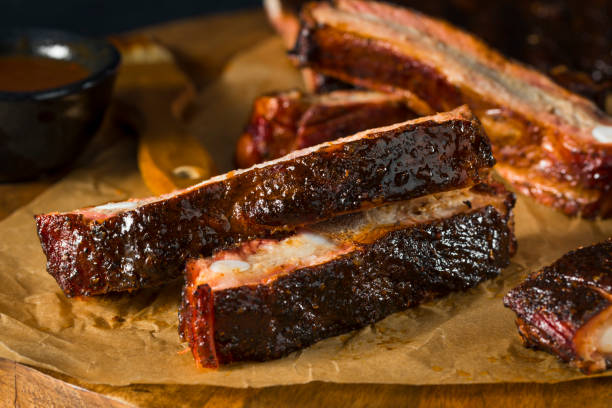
22, 386
207, 43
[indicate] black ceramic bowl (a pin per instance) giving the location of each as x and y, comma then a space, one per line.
42, 131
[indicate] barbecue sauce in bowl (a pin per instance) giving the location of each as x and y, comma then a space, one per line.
55, 88
26, 73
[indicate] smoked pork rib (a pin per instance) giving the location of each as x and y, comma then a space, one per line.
566, 308
139, 243
541, 34
267, 298
549, 143
288, 121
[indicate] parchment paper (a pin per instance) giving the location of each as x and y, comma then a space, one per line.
132, 338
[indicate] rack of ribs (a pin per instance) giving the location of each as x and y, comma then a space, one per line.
291, 120
267, 298
140, 243
566, 308
549, 143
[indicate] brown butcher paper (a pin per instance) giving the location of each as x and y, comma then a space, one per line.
132, 338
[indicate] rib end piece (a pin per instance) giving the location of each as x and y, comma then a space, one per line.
566, 308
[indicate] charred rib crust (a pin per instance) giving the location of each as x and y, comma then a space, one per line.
402, 269
384, 168
554, 303
583, 172
149, 245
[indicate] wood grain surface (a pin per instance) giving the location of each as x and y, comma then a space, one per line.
21, 386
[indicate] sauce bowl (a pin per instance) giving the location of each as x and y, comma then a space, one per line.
45, 130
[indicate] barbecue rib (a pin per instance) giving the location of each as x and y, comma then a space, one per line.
288, 121
566, 308
549, 142
139, 243
267, 298
541, 34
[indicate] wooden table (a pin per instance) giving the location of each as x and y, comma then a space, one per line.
21, 386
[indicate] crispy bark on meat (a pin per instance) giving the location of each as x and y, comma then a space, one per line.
268, 298
288, 121
566, 308
140, 243
550, 143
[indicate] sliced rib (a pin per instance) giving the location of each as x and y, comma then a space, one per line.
140, 243
267, 298
288, 121
537, 128
566, 308
537, 34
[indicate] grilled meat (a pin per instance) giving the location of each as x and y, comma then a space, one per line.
569, 40
140, 243
288, 121
549, 142
267, 298
566, 308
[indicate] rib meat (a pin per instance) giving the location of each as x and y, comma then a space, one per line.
267, 298
139, 243
566, 308
542, 34
288, 121
549, 142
